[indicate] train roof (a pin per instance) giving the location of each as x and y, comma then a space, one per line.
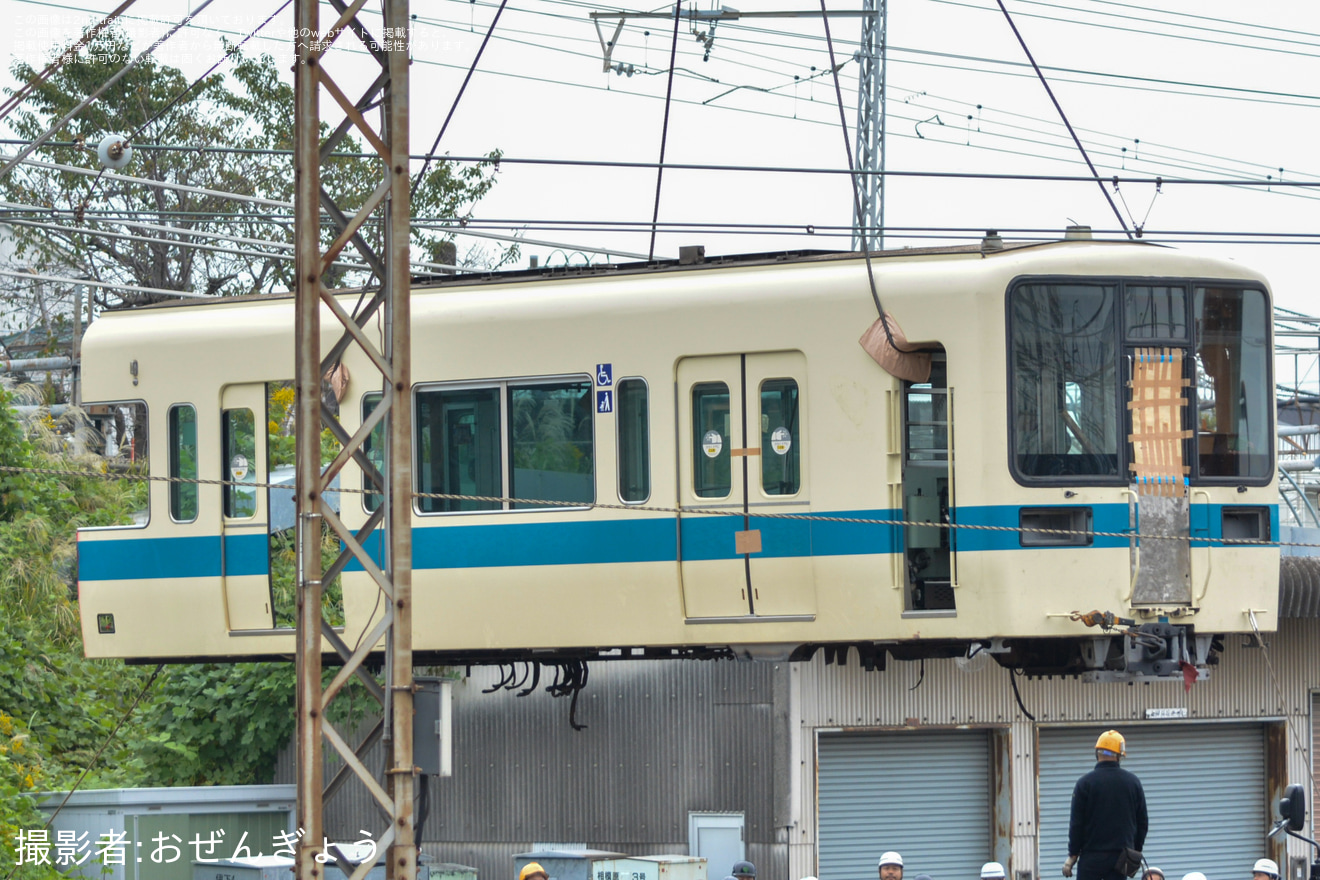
544, 273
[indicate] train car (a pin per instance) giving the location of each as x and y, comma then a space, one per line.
1089, 428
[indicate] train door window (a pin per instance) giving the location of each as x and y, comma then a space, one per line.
1234, 433
781, 447
183, 463
374, 449
1065, 381
632, 421
711, 440
550, 443
927, 495
458, 448
239, 463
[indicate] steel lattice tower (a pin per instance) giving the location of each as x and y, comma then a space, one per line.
869, 215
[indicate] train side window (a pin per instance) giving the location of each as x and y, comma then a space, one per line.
239, 463
1234, 433
458, 448
374, 449
550, 442
711, 440
781, 446
1065, 381
183, 462
120, 434
634, 437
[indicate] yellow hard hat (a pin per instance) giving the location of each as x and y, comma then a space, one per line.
1112, 741
531, 868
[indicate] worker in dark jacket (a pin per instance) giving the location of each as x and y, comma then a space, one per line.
1108, 814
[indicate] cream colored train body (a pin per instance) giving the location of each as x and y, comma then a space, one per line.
715, 396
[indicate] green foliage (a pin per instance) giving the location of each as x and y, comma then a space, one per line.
252, 110
20, 775
219, 725
283, 578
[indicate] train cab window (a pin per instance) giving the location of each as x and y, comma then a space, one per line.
1155, 312
711, 440
120, 434
1065, 380
239, 463
1234, 434
634, 438
183, 463
550, 442
781, 447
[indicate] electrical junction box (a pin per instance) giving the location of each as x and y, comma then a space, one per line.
433, 726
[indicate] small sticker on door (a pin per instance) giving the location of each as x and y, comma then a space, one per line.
781, 440
712, 443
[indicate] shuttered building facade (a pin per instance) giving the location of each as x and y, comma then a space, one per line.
886, 762
1209, 777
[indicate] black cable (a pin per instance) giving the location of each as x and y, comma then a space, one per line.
179, 97
1012, 676
852, 176
1049, 91
453, 107
920, 679
664, 131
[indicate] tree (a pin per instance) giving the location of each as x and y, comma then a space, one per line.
232, 137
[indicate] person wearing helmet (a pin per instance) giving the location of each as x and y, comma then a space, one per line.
533, 871
743, 870
992, 871
1152, 873
1194, 875
891, 866
1108, 815
1265, 869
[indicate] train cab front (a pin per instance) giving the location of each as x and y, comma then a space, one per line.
1143, 514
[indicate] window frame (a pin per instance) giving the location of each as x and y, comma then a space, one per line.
147, 421
796, 441
1123, 346
618, 442
169, 463
502, 386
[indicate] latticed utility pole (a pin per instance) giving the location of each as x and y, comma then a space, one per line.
388, 205
869, 216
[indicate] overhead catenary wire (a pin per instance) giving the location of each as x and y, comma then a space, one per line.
101, 90
60, 279
664, 128
21, 95
1057, 106
457, 98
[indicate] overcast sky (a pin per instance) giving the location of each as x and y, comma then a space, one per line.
1202, 89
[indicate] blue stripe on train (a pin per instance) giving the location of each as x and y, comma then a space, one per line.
606, 541
187, 557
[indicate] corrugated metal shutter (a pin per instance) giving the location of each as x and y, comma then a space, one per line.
926, 795
1205, 793
1315, 765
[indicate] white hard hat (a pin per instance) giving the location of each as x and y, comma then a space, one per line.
1151, 869
1266, 866
891, 858
992, 871
1195, 875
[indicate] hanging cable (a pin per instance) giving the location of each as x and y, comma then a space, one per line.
105, 86
852, 176
664, 131
91, 34
461, 89
1062, 116
181, 95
